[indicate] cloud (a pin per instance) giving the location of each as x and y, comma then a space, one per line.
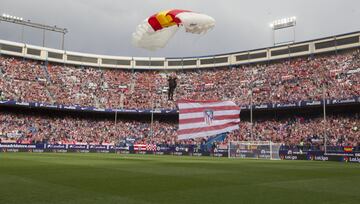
105, 27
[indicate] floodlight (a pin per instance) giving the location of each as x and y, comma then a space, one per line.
24, 22
283, 23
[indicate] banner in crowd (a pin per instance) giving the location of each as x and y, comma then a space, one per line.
207, 118
308, 103
344, 155
317, 155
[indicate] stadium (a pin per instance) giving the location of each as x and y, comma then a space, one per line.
88, 128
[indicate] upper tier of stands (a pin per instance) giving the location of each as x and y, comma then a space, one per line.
337, 75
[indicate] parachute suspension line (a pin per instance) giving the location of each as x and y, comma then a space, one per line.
195, 44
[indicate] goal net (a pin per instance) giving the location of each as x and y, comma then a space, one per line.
254, 149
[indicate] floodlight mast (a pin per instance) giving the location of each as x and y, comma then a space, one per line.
21, 21
282, 24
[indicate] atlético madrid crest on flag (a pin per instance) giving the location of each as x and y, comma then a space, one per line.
208, 116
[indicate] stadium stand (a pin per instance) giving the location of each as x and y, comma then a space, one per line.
333, 75
275, 82
342, 130
25, 129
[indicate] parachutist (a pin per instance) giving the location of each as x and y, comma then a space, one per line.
172, 87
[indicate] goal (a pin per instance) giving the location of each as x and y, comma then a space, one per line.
254, 150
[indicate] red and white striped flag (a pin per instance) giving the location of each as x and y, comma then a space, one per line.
207, 118
140, 147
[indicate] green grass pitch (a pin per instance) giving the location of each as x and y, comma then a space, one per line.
49, 178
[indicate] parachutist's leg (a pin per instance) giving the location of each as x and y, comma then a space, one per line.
172, 94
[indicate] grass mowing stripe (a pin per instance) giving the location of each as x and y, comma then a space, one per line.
110, 178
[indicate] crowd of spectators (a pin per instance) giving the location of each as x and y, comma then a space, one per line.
68, 130
339, 130
23, 80
287, 81
306, 78
290, 80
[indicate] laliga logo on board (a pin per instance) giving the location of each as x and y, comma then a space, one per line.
208, 116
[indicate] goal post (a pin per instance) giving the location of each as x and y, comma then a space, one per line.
254, 150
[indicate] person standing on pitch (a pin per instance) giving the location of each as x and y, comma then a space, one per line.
172, 87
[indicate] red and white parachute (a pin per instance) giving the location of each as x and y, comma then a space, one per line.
156, 31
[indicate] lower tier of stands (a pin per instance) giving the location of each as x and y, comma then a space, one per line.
339, 130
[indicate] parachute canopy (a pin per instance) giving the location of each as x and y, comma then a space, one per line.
156, 31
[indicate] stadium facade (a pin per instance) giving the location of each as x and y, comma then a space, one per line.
265, 111
313, 47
